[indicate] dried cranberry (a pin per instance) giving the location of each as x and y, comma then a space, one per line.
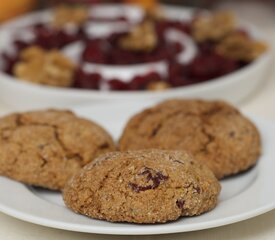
180, 203
81, 33
52, 38
197, 189
63, 38
154, 177
87, 80
114, 37
161, 27
206, 47
182, 26
228, 66
178, 75
121, 57
20, 44
140, 82
94, 52
44, 38
116, 84
8, 63
209, 66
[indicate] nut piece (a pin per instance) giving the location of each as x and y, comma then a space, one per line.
44, 67
213, 27
240, 47
64, 15
155, 14
158, 86
142, 38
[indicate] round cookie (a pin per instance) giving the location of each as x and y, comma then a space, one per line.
215, 132
45, 148
146, 186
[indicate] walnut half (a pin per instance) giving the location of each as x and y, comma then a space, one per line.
142, 38
213, 27
44, 67
64, 15
240, 47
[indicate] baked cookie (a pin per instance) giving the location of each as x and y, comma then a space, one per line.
146, 186
215, 132
45, 148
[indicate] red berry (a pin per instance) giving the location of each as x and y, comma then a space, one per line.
209, 66
87, 80
140, 82
94, 52
9, 61
116, 84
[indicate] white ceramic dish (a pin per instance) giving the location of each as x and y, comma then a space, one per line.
233, 87
242, 197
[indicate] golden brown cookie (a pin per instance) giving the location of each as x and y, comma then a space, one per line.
215, 132
146, 186
45, 148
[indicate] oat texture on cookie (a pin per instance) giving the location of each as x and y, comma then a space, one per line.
45, 148
216, 133
146, 186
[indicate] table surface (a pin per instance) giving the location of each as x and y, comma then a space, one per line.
261, 103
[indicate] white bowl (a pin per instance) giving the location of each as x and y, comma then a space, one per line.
233, 87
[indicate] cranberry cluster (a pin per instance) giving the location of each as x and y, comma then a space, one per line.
107, 51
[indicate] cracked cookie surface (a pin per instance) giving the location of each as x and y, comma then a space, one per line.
216, 133
146, 186
45, 148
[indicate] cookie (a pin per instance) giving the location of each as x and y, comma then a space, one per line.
215, 132
45, 148
146, 186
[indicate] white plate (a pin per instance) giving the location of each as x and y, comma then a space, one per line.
242, 197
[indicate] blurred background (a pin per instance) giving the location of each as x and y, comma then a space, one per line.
13, 8
259, 12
